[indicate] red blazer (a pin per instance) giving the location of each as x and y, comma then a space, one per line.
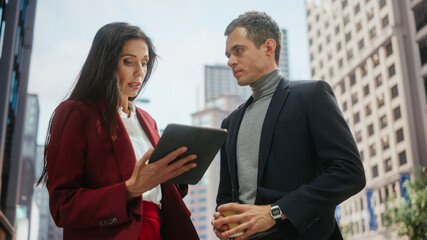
87, 173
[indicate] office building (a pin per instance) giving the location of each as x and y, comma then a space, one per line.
16, 36
201, 198
27, 175
374, 54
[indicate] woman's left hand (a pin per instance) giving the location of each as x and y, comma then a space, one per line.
147, 176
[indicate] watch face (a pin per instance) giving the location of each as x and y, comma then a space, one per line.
275, 211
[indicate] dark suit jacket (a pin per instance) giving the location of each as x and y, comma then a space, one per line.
308, 160
87, 173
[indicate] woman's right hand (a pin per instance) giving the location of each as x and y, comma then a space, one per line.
147, 176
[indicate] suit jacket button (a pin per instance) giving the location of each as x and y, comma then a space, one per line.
101, 223
114, 220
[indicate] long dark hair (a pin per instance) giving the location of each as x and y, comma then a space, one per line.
97, 80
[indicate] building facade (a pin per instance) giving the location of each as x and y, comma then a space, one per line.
202, 197
373, 53
16, 36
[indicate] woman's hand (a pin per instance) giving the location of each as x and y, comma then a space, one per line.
147, 176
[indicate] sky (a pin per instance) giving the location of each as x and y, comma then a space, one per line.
187, 34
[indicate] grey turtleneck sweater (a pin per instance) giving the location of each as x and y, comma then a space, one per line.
249, 135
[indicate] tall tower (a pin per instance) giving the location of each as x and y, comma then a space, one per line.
373, 53
219, 80
284, 55
16, 37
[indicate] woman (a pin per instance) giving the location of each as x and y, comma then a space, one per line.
97, 188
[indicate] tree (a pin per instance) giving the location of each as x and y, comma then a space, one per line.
408, 215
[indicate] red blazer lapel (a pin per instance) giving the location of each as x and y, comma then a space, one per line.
123, 150
149, 126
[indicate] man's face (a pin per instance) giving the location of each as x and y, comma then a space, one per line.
246, 60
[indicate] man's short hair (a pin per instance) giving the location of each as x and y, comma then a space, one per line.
260, 27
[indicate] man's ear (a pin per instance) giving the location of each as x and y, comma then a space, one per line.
270, 47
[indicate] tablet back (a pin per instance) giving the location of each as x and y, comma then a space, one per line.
202, 141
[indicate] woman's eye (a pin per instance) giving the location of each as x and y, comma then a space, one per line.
127, 62
143, 64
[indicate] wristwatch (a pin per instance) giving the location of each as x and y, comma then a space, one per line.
276, 213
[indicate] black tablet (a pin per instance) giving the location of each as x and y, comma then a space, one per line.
202, 141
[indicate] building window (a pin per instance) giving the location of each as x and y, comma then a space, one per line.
349, 54
354, 98
399, 135
422, 45
346, 19
362, 155
358, 26
382, 3
370, 14
356, 118
328, 39
344, 106
347, 37
385, 21
394, 91
385, 142
420, 15
389, 49
375, 171
366, 90
372, 150
320, 48
372, 33
313, 71
340, 62
364, 70
358, 136
391, 71
383, 122
331, 72
337, 29
371, 129
356, 9
344, 3
352, 79
380, 100
342, 86
378, 80
396, 113
388, 166
361, 43
368, 109
376, 60
338, 46
402, 158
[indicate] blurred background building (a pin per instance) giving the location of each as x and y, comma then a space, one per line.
16, 36
374, 54
222, 96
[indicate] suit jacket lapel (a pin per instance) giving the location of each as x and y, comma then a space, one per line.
273, 111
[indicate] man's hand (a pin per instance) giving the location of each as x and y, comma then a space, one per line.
219, 228
252, 219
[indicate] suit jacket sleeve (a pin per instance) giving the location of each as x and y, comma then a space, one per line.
225, 188
73, 204
342, 170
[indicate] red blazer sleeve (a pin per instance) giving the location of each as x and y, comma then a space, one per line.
76, 201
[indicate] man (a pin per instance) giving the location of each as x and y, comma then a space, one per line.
289, 158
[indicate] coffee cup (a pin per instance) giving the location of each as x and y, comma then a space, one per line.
233, 224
